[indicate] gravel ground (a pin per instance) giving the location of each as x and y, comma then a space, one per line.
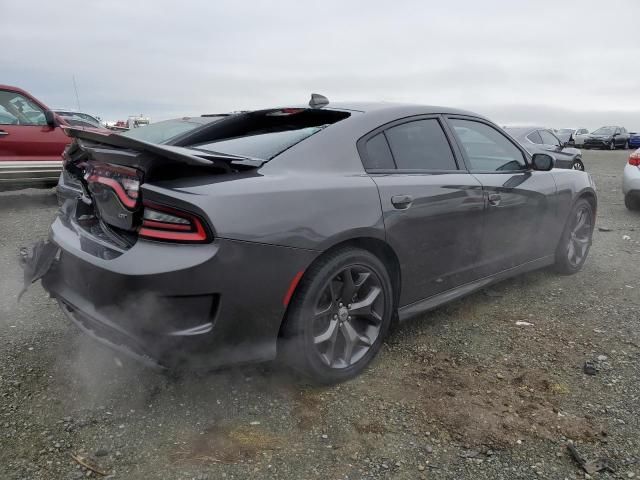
463, 393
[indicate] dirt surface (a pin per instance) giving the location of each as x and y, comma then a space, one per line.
463, 393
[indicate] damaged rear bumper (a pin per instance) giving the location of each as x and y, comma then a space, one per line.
170, 305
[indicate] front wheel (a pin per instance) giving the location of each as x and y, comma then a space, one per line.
612, 145
578, 165
339, 316
632, 202
575, 242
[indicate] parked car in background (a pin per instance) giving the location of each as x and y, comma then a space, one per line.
31, 141
159, 133
302, 232
631, 181
579, 136
565, 135
79, 119
610, 137
634, 140
542, 140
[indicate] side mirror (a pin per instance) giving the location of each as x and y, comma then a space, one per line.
615, 134
542, 162
50, 117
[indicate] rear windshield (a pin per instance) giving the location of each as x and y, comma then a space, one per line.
265, 134
161, 132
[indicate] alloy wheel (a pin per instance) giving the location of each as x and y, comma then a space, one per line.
578, 165
612, 146
348, 316
580, 235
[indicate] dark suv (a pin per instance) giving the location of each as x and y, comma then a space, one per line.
610, 137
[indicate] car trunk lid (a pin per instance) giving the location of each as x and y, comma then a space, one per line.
111, 170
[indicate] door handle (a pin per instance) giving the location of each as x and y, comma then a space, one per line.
402, 202
494, 199
2, 132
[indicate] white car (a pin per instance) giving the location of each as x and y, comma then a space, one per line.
579, 135
631, 181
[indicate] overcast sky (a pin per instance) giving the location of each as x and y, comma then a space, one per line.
557, 63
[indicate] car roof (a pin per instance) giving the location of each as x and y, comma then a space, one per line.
395, 107
10, 87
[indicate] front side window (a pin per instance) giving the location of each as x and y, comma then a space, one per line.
420, 145
16, 109
548, 138
487, 149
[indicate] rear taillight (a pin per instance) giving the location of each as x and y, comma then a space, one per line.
124, 181
169, 224
634, 158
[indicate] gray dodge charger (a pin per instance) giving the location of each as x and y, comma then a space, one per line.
300, 232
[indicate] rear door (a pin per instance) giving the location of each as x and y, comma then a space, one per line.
432, 207
24, 133
520, 223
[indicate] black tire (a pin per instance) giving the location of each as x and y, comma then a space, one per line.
632, 202
577, 165
612, 145
323, 286
626, 145
575, 242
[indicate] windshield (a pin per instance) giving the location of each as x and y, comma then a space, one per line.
264, 146
161, 132
605, 131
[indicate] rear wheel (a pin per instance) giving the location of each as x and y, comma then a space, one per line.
578, 165
575, 242
339, 316
626, 144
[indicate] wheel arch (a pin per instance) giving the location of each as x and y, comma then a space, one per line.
590, 196
377, 247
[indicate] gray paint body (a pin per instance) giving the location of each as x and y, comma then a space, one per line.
224, 303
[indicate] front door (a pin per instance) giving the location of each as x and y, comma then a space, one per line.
520, 216
432, 208
24, 133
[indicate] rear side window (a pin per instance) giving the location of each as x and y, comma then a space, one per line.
420, 145
535, 137
378, 154
487, 149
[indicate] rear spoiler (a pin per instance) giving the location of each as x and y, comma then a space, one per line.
189, 156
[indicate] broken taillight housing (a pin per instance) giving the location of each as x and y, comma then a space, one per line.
160, 222
634, 158
124, 181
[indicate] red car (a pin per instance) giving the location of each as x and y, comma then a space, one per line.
31, 140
